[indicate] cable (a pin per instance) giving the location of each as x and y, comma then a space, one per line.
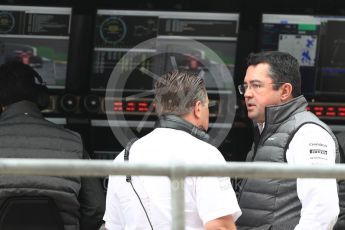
129, 177
142, 205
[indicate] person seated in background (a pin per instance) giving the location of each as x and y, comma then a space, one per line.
24, 133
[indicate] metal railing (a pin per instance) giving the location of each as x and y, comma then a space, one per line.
176, 172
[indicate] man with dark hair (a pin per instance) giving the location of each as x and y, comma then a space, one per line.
285, 132
24, 133
144, 202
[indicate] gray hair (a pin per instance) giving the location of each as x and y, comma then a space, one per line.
176, 92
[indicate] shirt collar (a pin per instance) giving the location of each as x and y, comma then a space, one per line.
261, 127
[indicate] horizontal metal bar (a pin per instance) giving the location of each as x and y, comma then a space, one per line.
71, 167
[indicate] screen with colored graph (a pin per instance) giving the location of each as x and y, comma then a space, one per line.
145, 44
39, 37
318, 42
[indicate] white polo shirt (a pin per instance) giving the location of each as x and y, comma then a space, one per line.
206, 198
312, 145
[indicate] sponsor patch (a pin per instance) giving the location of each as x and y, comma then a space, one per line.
318, 151
318, 144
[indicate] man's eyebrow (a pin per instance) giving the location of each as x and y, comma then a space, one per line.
253, 81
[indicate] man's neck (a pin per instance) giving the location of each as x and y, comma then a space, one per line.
190, 118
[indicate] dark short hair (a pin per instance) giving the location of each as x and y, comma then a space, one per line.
17, 83
176, 92
283, 68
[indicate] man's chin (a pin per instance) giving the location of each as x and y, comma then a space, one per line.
251, 116
254, 118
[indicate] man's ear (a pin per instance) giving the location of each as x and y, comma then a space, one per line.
286, 92
197, 109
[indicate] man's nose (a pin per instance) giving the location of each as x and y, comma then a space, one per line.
248, 92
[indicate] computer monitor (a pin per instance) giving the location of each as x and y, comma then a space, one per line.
37, 36
169, 39
318, 42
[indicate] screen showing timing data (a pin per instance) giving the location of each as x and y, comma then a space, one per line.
118, 33
39, 37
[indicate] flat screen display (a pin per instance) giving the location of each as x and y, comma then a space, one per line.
118, 34
39, 37
318, 42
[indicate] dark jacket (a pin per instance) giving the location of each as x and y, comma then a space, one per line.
24, 133
273, 203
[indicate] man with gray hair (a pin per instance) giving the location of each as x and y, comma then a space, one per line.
144, 202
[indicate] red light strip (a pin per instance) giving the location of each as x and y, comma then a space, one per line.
143, 104
318, 113
318, 108
331, 114
117, 103
143, 109
130, 109
118, 106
